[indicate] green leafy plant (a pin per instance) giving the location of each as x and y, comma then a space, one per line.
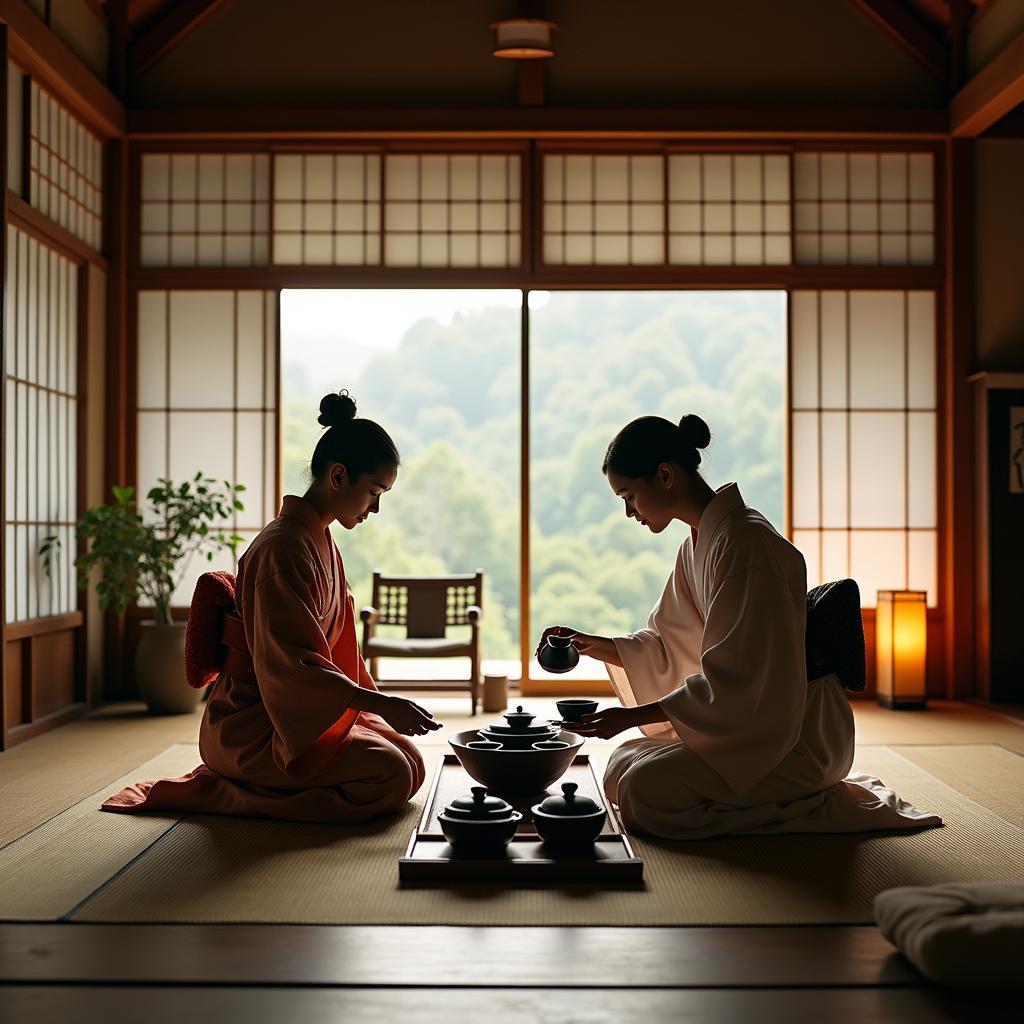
139, 558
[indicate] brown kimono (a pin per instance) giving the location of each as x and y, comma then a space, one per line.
280, 739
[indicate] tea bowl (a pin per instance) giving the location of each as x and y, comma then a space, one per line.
572, 709
515, 773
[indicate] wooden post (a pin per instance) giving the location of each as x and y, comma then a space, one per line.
116, 426
956, 424
4, 682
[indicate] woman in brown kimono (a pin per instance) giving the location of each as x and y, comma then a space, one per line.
295, 727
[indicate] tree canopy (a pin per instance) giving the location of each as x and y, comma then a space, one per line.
449, 395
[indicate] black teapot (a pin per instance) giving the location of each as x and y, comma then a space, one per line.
558, 654
479, 822
568, 820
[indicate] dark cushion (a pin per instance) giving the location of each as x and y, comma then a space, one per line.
835, 634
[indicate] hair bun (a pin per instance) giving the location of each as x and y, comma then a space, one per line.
336, 409
696, 433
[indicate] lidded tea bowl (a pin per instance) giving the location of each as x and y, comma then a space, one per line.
568, 819
519, 732
479, 821
558, 654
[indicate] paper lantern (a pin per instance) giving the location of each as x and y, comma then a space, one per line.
901, 642
523, 38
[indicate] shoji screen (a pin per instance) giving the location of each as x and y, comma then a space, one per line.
727, 208
65, 167
677, 209
207, 398
327, 208
397, 209
604, 209
205, 210
799, 208
40, 432
864, 208
863, 436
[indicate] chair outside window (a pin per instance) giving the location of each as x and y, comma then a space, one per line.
426, 607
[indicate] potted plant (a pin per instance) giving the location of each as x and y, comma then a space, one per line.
147, 557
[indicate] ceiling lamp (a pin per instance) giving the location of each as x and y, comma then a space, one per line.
523, 38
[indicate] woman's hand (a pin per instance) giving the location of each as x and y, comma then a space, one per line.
601, 648
608, 722
407, 717
605, 723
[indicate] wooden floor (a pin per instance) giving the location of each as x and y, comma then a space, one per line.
256, 973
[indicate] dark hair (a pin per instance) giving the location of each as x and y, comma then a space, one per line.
362, 445
642, 445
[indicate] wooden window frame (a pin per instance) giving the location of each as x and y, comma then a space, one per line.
32, 632
532, 275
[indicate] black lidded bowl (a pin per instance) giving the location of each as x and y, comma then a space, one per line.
479, 823
568, 820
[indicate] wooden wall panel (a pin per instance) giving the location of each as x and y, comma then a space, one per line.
53, 672
14, 669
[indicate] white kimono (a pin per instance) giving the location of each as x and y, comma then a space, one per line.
752, 745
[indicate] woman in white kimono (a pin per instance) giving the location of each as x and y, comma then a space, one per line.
736, 737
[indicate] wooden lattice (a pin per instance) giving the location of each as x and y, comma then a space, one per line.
459, 600
393, 605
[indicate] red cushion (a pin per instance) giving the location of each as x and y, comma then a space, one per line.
204, 652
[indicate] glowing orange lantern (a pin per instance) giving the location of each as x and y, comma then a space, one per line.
901, 628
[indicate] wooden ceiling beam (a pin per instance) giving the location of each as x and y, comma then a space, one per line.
902, 26
992, 93
537, 122
155, 42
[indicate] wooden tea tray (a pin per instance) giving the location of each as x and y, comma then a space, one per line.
429, 858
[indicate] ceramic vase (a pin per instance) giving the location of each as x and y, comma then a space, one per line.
160, 669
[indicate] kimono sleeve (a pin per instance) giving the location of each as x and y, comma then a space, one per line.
657, 659
742, 712
304, 693
347, 654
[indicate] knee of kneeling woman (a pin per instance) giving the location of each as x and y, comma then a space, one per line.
399, 780
623, 758
641, 795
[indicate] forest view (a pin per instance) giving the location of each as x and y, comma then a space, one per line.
440, 370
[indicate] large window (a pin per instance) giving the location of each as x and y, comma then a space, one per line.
439, 370
600, 359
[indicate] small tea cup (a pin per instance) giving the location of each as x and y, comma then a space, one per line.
574, 708
484, 745
550, 745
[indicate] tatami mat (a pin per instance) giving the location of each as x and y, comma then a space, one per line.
40, 778
214, 869
990, 775
49, 870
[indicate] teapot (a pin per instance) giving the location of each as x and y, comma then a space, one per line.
479, 822
569, 819
519, 732
558, 654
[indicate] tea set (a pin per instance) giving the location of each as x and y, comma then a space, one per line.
521, 758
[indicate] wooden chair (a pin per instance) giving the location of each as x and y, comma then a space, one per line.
426, 606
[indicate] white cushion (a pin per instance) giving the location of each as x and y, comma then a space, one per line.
963, 934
